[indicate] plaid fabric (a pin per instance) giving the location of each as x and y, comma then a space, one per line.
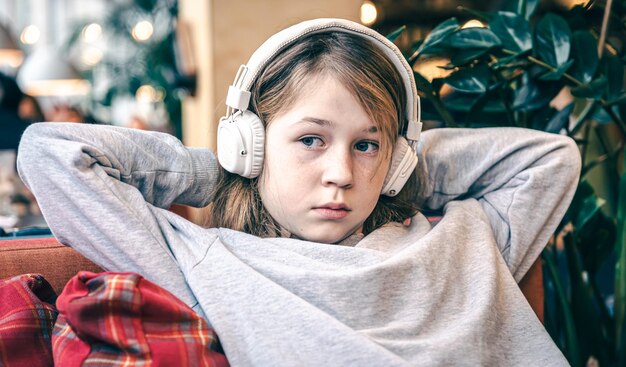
27, 316
122, 319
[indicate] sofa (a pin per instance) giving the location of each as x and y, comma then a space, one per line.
59, 309
94, 308
58, 263
45, 256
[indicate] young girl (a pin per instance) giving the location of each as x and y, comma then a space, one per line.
308, 263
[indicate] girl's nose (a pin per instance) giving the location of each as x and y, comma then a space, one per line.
338, 168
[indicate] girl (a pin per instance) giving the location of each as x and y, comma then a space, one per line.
308, 264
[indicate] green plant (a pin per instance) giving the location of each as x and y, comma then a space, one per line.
128, 63
509, 73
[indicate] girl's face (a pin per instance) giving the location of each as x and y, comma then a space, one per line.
323, 169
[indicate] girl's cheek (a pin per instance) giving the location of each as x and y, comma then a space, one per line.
369, 164
303, 156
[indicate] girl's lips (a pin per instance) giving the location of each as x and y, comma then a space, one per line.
330, 213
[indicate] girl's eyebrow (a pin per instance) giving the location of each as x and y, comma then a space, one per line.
323, 122
317, 121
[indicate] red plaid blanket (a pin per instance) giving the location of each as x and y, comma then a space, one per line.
27, 316
122, 319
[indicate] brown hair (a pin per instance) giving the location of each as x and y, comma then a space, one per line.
376, 84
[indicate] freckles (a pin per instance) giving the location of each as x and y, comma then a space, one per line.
296, 165
370, 175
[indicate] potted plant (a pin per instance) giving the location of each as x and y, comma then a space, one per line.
562, 73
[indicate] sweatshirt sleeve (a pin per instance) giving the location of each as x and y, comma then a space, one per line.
101, 190
523, 179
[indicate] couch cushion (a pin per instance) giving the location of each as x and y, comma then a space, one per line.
56, 262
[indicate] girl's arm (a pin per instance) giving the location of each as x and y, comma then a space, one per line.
524, 180
101, 190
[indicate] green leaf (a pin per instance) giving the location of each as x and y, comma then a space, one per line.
583, 191
432, 95
466, 56
596, 240
463, 103
584, 55
532, 94
471, 38
613, 68
571, 338
517, 7
147, 5
437, 83
601, 116
539, 120
470, 80
436, 37
460, 102
590, 206
620, 269
513, 30
423, 85
558, 73
618, 100
560, 119
552, 40
526, 96
504, 62
594, 90
416, 45
587, 315
395, 34
475, 114
448, 66
553, 316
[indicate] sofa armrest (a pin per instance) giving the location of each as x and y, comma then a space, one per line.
46, 256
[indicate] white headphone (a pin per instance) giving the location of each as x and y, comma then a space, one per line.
241, 135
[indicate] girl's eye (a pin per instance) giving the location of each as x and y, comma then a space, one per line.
366, 146
311, 141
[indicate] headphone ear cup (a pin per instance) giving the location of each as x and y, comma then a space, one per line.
241, 144
403, 163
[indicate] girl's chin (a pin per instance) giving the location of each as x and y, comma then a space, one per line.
333, 238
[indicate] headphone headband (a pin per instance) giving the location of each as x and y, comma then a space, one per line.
238, 97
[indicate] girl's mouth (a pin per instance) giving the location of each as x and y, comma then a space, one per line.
331, 213
332, 210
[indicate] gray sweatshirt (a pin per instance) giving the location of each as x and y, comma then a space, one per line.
417, 295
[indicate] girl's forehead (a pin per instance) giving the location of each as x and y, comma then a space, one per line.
367, 127
313, 87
